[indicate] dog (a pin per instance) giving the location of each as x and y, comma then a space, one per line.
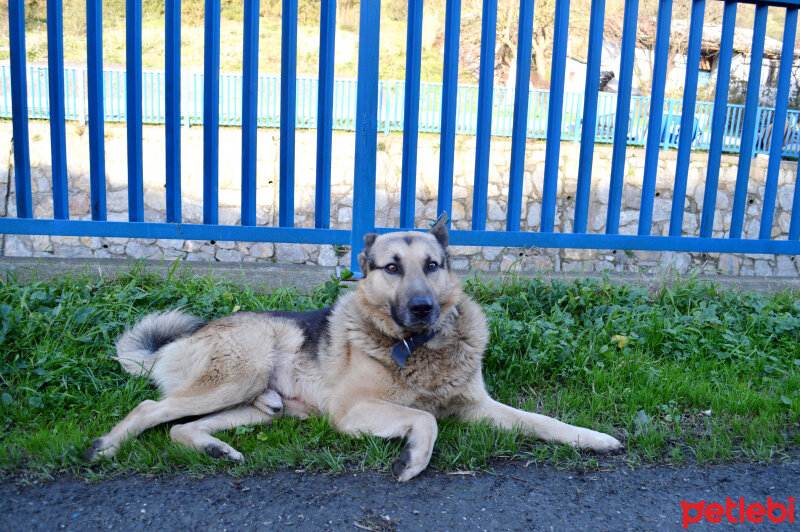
389, 358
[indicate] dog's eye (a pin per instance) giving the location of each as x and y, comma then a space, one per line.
433, 266
391, 268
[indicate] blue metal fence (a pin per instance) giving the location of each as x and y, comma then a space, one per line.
392, 102
368, 105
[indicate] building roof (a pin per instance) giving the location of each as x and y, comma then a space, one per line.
742, 39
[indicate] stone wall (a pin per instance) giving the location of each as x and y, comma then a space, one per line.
387, 201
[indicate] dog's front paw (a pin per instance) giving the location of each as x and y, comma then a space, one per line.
597, 441
99, 449
406, 466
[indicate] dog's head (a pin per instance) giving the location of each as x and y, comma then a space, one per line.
407, 283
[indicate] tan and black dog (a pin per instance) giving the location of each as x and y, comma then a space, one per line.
388, 359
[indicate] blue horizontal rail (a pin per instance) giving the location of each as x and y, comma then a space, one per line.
391, 103
342, 236
171, 230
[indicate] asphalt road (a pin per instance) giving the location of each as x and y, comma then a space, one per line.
514, 497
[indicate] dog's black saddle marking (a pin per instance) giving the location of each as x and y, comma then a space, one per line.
313, 323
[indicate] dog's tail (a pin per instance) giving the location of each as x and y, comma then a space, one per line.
138, 346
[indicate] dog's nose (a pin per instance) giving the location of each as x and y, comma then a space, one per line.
421, 307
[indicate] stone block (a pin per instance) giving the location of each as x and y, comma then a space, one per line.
661, 209
18, 246
678, 261
262, 250
74, 252
199, 256
762, 268
603, 266
510, 263
786, 197
228, 255
290, 253
460, 264
344, 215
170, 243
327, 256
464, 251
728, 264
534, 216
577, 266
786, 266
496, 211
491, 252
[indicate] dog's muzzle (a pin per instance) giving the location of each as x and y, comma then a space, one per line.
419, 312
421, 308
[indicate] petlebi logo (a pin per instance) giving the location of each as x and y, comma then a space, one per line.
738, 511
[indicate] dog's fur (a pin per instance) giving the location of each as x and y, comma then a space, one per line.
250, 366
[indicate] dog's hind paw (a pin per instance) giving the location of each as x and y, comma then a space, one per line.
223, 451
269, 402
99, 450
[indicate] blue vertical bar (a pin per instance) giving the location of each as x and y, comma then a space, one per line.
411, 116
452, 31
687, 117
520, 123
119, 96
94, 57
325, 104
58, 134
718, 119
249, 111
19, 108
484, 132
288, 112
172, 60
211, 114
738, 130
36, 93
395, 118
554, 112
366, 128
749, 125
194, 98
73, 112
762, 138
133, 50
230, 99
623, 113
778, 123
159, 115
589, 127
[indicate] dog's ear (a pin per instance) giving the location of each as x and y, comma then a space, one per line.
439, 230
363, 257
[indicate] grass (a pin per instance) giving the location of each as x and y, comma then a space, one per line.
687, 372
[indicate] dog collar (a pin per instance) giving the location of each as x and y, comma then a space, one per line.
406, 346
